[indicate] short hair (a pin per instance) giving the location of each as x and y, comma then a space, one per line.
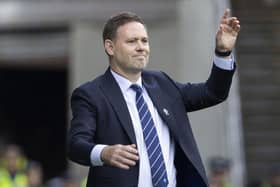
219, 164
112, 25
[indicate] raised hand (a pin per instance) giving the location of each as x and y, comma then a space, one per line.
227, 32
121, 156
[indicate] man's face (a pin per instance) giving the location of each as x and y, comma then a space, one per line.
11, 158
130, 49
218, 179
275, 181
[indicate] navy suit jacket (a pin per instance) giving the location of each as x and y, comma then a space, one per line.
101, 116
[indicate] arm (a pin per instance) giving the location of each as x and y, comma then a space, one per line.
212, 92
82, 129
81, 146
216, 88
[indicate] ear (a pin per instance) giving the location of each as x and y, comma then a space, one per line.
109, 47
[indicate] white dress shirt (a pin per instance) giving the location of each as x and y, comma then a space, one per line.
168, 149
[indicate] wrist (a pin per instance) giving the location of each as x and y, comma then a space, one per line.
222, 53
95, 155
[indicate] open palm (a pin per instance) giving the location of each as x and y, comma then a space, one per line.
227, 32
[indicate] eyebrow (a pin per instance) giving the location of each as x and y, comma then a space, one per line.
137, 38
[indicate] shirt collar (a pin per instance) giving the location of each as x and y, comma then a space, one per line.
124, 83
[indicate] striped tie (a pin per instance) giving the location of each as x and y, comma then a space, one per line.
158, 171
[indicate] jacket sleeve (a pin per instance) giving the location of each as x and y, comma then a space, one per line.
213, 91
82, 128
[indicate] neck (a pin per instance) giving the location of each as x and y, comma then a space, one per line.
131, 76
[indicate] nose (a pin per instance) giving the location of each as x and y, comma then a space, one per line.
140, 46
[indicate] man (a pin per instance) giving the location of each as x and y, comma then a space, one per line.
219, 172
130, 125
34, 172
12, 174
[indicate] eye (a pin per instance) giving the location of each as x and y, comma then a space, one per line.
145, 40
131, 41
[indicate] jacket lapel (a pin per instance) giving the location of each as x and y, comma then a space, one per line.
162, 103
113, 92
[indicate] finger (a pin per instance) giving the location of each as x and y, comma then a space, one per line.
132, 149
120, 165
224, 19
122, 162
233, 21
236, 22
226, 14
222, 28
126, 161
235, 25
130, 156
219, 31
237, 28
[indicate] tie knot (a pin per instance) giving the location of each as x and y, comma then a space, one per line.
136, 88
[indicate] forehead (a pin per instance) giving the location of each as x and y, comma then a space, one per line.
132, 29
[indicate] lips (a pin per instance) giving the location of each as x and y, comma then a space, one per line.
143, 56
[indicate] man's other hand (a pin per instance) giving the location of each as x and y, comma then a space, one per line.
121, 156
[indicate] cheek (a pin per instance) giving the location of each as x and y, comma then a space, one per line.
148, 50
120, 54
124, 51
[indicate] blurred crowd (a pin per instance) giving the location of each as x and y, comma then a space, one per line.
220, 175
16, 170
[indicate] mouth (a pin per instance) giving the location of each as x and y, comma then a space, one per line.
139, 56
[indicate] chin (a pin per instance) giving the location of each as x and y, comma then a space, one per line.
141, 64
141, 68
137, 70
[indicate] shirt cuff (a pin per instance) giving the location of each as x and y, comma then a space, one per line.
224, 63
95, 155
